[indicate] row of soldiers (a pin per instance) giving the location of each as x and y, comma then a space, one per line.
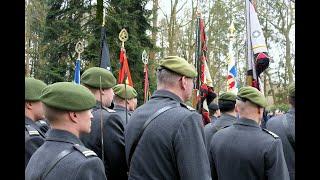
162, 139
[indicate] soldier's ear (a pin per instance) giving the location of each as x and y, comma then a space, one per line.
28, 105
73, 116
183, 80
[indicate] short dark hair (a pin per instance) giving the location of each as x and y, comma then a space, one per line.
226, 106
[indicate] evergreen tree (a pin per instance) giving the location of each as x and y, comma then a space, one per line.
131, 15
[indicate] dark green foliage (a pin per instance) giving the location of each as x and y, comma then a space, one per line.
132, 16
69, 21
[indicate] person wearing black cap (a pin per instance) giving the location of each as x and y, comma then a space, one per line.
214, 112
244, 150
284, 127
227, 103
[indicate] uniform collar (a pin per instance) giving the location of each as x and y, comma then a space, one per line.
227, 117
247, 122
166, 94
117, 107
29, 121
62, 136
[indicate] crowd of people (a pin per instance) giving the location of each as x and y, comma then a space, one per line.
71, 131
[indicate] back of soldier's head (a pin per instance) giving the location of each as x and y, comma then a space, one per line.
172, 68
227, 101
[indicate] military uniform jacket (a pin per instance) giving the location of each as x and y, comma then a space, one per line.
275, 124
223, 121
172, 146
34, 138
121, 111
245, 151
113, 140
75, 166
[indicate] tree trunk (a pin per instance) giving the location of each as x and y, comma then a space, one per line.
154, 28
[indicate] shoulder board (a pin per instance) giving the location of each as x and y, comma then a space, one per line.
109, 110
42, 122
188, 107
271, 133
85, 151
32, 131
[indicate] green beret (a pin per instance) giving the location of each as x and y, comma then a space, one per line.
227, 96
178, 65
68, 96
253, 95
292, 90
33, 88
119, 90
91, 77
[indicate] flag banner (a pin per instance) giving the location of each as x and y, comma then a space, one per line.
258, 59
77, 72
232, 70
104, 55
124, 72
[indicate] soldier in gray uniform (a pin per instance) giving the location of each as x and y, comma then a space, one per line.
63, 156
164, 137
120, 101
226, 103
284, 127
244, 150
112, 150
34, 137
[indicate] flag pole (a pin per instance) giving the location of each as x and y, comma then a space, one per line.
123, 36
79, 49
144, 57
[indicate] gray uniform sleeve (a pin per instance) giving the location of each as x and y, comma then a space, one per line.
190, 150
276, 167
114, 139
91, 169
214, 174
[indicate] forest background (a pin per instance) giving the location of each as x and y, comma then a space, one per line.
161, 27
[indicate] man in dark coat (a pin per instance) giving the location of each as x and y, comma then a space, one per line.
172, 145
63, 156
124, 97
284, 127
226, 103
245, 151
34, 136
112, 128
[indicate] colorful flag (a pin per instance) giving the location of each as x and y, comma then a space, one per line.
258, 59
104, 55
77, 72
232, 68
124, 72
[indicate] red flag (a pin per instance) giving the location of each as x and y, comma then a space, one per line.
146, 83
124, 72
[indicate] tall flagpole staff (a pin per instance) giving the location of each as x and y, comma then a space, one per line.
79, 49
123, 36
144, 58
